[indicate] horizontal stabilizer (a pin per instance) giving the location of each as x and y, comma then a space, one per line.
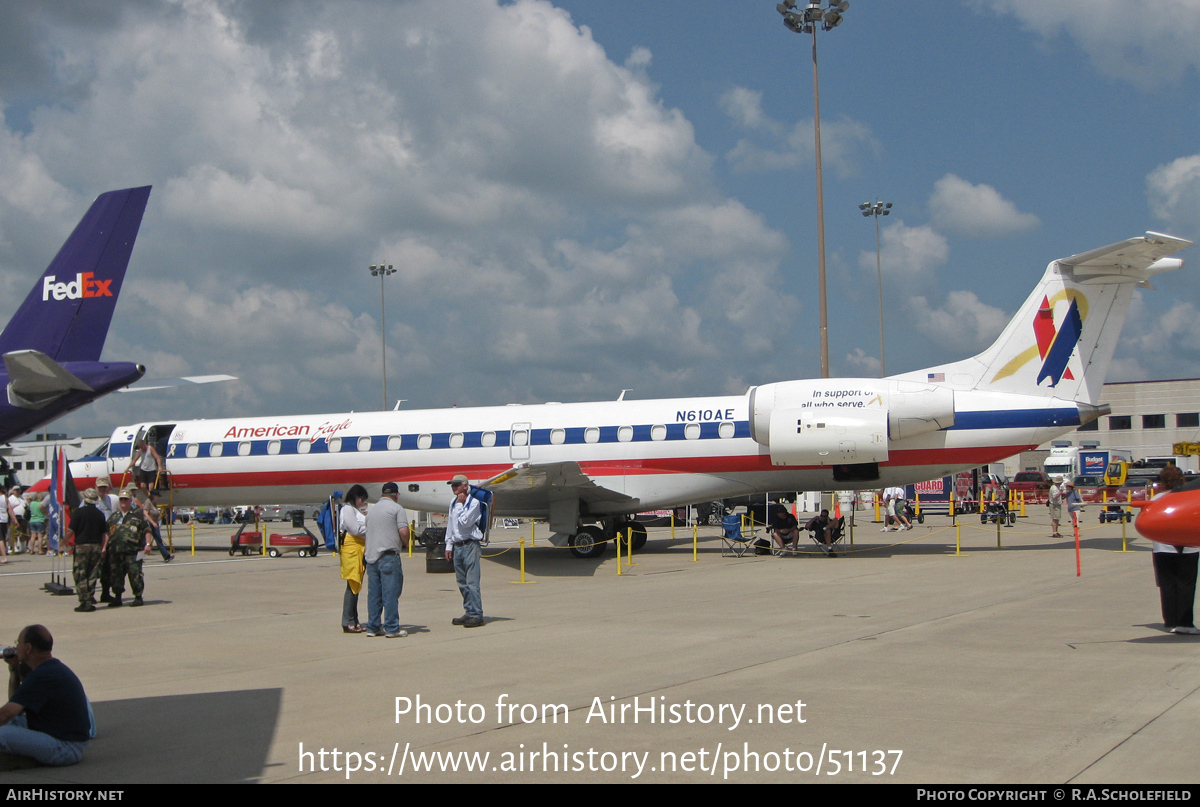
1134, 259
35, 379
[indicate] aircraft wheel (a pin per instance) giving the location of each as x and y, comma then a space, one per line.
273, 552
639, 534
587, 543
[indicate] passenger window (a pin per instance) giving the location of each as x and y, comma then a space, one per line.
424, 441
488, 439
658, 432
456, 440
215, 449
193, 450
591, 434
520, 437
691, 431
244, 448
558, 436
273, 447
726, 430
303, 446
394, 442
364, 444
335, 445
625, 434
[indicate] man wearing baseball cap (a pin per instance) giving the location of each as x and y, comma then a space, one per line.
387, 535
462, 547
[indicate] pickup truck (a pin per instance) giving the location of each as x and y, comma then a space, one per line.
1035, 485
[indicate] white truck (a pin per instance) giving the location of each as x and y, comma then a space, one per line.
1086, 459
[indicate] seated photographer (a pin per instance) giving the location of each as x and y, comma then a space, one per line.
46, 717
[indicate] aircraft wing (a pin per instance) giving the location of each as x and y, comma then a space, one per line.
35, 379
1134, 258
536, 484
167, 383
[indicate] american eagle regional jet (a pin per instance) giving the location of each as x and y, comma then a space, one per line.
588, 467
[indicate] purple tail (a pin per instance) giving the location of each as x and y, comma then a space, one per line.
67, 314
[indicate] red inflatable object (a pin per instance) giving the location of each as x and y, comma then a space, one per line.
1171, 519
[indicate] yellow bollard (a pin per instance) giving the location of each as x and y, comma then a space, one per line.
522, 580
876, 497
695, 547
998, 545
1104, 496
1022, 494
1124, 543
953, 508
672, 526
617, 538
629, 548
193, 526
958, 541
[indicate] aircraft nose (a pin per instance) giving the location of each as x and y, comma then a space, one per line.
1173, 519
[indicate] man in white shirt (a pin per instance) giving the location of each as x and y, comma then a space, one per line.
463, 537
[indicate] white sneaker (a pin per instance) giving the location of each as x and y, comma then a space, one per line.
400, 634
1187, 631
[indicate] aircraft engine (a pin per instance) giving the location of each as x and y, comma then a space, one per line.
844, 421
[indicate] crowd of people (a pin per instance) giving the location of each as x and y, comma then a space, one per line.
371, 539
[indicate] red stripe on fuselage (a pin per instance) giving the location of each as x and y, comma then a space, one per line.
642, 467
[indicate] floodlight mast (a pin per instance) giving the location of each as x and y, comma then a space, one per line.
381, 271
806, 22
877, 209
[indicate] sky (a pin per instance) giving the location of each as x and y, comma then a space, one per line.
581, 197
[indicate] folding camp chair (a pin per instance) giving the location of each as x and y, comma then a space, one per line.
733, 542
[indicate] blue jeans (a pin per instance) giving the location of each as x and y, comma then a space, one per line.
17, 738
385, 581
157, 533
466, 570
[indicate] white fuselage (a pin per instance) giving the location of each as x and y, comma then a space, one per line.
652, 454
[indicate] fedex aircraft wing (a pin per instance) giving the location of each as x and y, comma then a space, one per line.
587, 467
51, 347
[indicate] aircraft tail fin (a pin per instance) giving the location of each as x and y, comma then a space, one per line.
66, 316
1062, 339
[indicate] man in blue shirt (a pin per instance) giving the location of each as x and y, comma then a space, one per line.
47, 717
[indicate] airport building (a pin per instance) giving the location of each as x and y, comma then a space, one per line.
1148, 419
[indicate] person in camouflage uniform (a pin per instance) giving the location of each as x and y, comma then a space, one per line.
129, 533
89, 531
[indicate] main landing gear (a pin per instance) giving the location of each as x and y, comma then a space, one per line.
589, 541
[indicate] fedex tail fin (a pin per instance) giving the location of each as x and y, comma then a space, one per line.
1062, 339
67, 314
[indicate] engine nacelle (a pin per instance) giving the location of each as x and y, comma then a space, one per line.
844, 421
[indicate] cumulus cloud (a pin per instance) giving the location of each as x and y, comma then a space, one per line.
1145, 44
1173, 191
845, 143
907, 252
862, 363
554, 224
979, 211
963, 320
